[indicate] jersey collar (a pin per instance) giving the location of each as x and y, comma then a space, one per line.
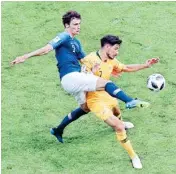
97, 53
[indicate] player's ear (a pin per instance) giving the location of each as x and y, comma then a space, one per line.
66, 26
107, 46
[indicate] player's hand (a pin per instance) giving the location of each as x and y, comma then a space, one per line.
95, 68
152, 61
19, 59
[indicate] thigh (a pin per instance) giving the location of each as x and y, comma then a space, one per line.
79, 82
101, 110
80, 97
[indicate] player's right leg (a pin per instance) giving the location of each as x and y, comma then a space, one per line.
78, 82
116, 92
118, 125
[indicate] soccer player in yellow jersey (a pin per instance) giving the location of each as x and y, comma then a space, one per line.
103, 63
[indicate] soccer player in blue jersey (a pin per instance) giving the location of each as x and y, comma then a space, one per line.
68, 53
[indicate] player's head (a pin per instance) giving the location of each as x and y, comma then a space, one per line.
111, 44
72, 21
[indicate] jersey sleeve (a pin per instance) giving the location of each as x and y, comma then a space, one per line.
117, 67
59, 40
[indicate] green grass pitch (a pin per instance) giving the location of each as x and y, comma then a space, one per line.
33, 100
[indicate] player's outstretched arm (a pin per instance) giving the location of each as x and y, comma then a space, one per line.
137, 67
44, 50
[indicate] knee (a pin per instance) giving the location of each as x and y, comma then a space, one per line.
85, 108
101, 83
119, 127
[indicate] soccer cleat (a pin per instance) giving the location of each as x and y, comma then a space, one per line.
128, 125
57, 134
137, 103
136, 162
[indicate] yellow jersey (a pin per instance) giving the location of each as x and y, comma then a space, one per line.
106, 69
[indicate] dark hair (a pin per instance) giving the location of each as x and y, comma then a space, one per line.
67, 17
110, 39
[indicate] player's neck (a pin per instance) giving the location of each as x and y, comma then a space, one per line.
70, 33
103, 55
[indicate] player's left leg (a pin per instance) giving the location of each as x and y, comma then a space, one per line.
117, 113
118, 125
74, 115
104, 111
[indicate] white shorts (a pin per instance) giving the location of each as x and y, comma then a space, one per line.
78, 83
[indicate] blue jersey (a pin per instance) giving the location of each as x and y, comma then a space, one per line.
68, 53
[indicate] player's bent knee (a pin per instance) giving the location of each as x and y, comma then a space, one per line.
101, 83
120, 126
115, 123
85, 108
